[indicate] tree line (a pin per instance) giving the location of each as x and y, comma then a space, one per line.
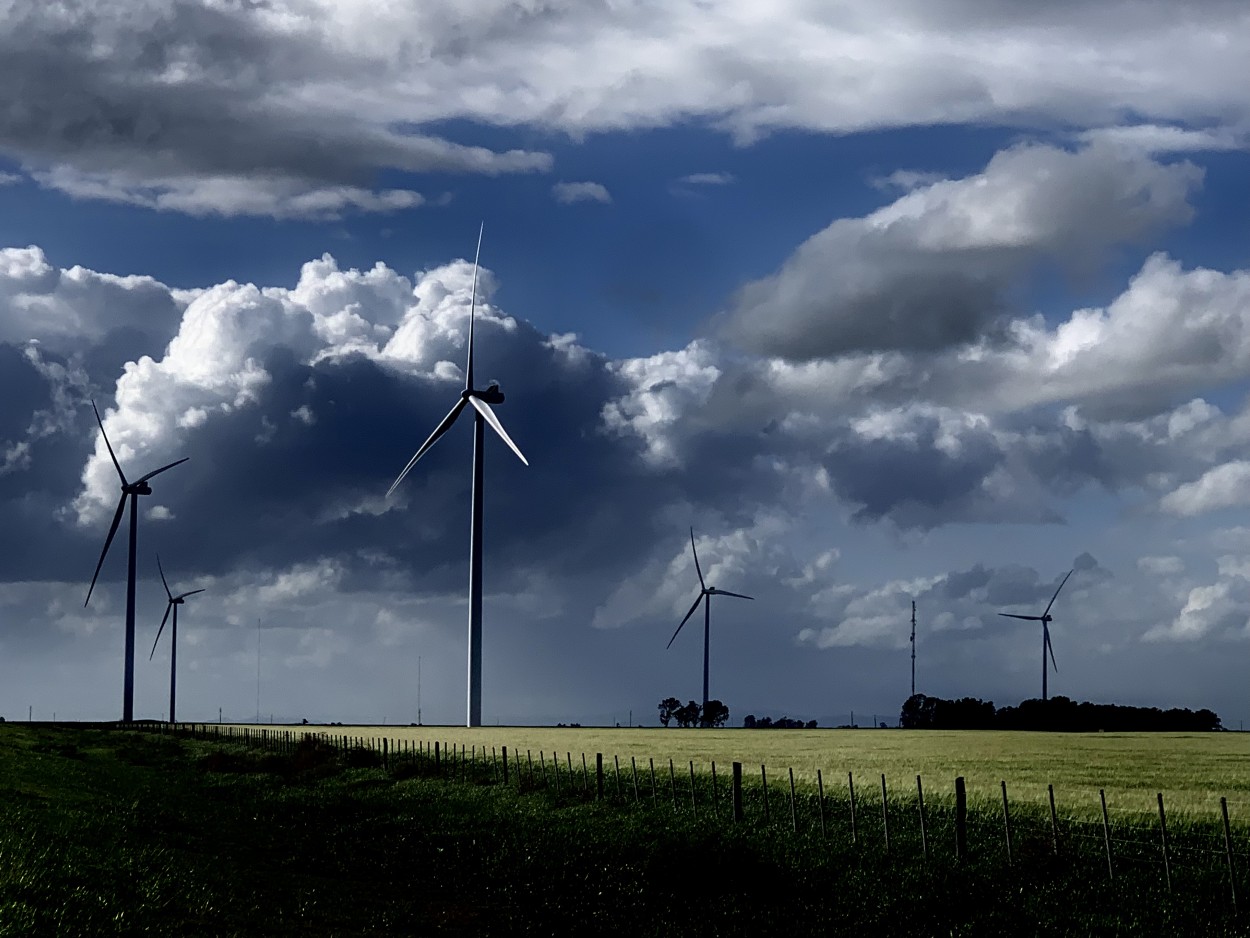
714, 713
781, 723
1058, 713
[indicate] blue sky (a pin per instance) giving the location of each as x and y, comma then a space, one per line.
932, 302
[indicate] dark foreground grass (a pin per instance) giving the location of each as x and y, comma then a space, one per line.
123, 833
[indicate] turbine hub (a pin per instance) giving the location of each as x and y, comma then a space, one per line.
140, 488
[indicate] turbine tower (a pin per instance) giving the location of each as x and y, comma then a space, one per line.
1045, 618
132, 490
705, 596
174, 603
913, 648
480, 401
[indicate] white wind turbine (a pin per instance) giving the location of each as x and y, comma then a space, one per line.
705, 596
172, 605
480, 401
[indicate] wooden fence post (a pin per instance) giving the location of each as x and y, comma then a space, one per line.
694, 808
924, 842
820, 801
598, 776
555, 769
617, 761
885, 818
585, 775
850, 782
529, 761
764, 781
672, 783
542, 761
494, 766
1006, 822
386, 755
653, 797
436, 756
794, 815
1163, 842
568, 755
505, 765
1228, 853
1054, 820
1106, 832
961, 819
737, 792
633, 764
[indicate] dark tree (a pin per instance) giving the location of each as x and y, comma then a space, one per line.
687, 715
714, 714
668, 709
749, 721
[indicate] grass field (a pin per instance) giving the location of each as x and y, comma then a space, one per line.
1193, 771
116, 832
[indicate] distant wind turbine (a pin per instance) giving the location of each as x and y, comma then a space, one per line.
133, 490
174, 603
480, 401
705, 596
1045, 618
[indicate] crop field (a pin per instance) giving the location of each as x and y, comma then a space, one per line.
1193, 771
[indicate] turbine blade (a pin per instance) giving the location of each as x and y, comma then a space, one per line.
117, 519
168, 606
433, 438
163, 580
697, 568
484, 409
191, 593
1012, 615
116, 464
727, 593
1050, 647
698, 600
162, 469
468, 368
1056, 596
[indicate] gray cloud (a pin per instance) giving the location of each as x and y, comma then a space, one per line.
933, 269
170, 105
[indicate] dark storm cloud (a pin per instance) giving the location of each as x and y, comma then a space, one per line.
157, 95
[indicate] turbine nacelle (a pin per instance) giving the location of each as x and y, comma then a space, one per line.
137, 488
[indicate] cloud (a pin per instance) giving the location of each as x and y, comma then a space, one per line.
162, 103
567, 193
1221, 487
228, 196
9, 179
933, 269
707, 179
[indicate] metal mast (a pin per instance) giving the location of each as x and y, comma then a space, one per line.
913, 648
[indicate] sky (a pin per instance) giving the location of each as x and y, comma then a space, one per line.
920, 300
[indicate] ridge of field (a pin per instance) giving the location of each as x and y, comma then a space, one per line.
1192, 770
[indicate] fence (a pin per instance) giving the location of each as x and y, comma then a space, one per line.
1178, 851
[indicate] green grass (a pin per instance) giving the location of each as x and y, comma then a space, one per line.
1193, 771
125, 833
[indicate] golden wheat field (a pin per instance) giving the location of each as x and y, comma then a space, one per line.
1193, 771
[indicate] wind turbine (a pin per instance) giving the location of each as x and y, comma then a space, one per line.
133, 490
1045, 618
705, 596
174, 603
480, 401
